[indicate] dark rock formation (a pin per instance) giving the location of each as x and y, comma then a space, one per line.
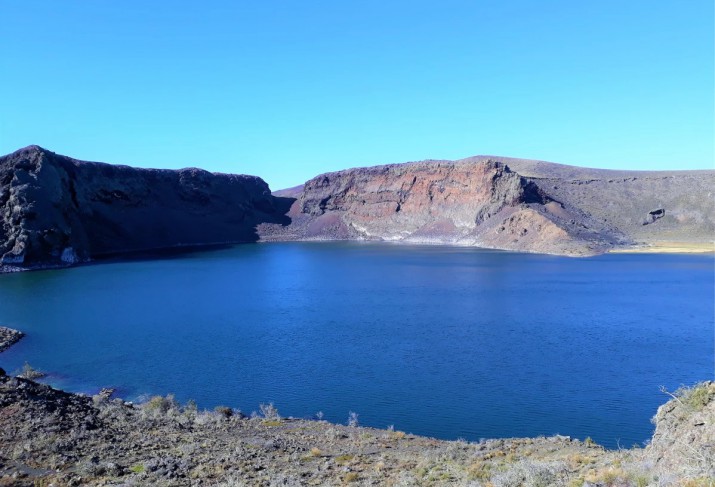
9, 337
654, 215
684, 437
503, 203
57, 211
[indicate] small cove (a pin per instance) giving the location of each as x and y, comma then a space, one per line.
439, 341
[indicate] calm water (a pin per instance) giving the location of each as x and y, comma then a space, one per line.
446, 342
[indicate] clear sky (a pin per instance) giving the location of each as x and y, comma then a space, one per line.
288, 89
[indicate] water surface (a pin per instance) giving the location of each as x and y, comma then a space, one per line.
440, 341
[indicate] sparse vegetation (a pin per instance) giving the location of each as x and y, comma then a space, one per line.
351, 477
29, 372
269, 411
224, 411
695, 397
344, 459
161, 404
353, 419
161, 443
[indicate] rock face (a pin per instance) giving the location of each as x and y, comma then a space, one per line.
58, 211
9, 337
684, 440
503, 203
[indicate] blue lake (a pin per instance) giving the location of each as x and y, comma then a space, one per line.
440, 341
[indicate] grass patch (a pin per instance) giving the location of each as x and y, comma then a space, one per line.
700, 482
480, 471
696, 397
344, 459
137, 468
161, 404
616, 476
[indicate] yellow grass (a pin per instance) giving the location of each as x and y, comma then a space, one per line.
668, 248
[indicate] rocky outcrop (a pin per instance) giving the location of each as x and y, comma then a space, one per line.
58, 211
503, 203
50, 437
8, 337
683, 444
482, 203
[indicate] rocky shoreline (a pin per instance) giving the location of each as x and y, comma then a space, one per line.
51, 437
8, 337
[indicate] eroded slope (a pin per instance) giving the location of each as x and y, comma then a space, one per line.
504, 203
481, 203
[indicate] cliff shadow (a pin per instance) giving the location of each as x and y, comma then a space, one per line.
283, 205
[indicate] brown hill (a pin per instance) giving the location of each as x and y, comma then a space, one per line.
504, 203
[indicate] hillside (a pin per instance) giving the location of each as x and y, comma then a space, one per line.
57, 211
50, 437
504, 203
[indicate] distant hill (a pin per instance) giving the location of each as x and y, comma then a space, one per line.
57, 211
505, 203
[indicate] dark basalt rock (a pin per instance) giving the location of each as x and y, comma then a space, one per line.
654, 215
56, 211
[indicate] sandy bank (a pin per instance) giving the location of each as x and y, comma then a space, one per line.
668, 248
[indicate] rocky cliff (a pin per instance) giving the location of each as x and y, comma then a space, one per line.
503, 203
57, 211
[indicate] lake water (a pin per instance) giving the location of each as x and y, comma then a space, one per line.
439, 341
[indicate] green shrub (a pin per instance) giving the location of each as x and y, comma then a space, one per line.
697, 396
162, 404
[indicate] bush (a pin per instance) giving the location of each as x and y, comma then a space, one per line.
697, 396
224, 411
30, 373
269, 411
161, 404
531, 474
353, 419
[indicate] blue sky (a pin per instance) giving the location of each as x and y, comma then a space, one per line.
288, 89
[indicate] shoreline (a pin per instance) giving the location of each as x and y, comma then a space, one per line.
179, 250
9, 337
667, 248
103, 441
108, 441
